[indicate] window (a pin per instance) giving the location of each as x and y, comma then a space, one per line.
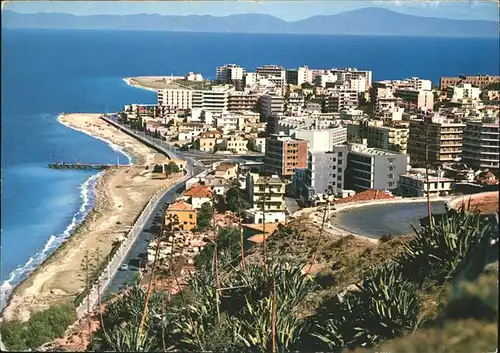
190, 216
339, 185
340, 170
340, 154
339, 177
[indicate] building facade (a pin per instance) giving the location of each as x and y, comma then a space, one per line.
242, 101
480, 147
442, 144
229, 73
275, 74
372, 168
417, 98
175, 98
480, 81
284, 154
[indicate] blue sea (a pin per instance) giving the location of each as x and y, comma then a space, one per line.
46, 72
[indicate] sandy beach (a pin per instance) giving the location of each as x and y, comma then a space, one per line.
121, 195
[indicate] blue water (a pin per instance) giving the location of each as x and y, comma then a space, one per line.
45, 72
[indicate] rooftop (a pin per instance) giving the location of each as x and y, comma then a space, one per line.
180, 206
224, 167
198, 191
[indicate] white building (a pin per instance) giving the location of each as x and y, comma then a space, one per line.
191, 76
271, 104
321, 139
463, 91
480, 146
417, 185
175, 98
273, 73
419, 84
230, 72
216, 99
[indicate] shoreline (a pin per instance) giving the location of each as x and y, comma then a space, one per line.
88, 189
117, 204
129, 81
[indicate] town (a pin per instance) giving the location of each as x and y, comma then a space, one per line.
285, 139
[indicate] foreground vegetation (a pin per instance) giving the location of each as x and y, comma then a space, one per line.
228, 306
432, 294
42, 327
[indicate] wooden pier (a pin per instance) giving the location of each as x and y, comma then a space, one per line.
82, 166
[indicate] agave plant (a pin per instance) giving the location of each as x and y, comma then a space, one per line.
439, 252
384, 306
121, 319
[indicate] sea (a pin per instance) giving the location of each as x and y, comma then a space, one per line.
47, 72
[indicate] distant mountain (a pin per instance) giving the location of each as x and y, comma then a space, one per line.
366, 21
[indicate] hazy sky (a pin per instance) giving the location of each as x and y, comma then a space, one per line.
287, 10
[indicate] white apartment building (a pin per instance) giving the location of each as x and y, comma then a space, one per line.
321, 139
373, 168
325, 173
480, 146
415, 184
348, 74
275, 74
341, 100
463, 91
416, 98
230, 72
270, 104
266, 193
216, 99
175, 98
250, 79
419, 84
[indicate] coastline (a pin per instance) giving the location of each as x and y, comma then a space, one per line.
130, 81
118, 201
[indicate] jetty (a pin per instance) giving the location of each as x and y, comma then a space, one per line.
83, 166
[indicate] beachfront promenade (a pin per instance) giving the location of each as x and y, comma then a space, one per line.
165, 147
107, 280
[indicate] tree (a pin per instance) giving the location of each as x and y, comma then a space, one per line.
205, 215
251, 145
171, 168
236, 200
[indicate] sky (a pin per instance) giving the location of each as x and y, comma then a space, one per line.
286, 10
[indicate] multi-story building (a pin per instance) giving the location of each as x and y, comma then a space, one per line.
284, 154
192, 76
417, 185
480, 147
242, 101
321, 139
443, 142
270, 104
236, 144
216, 99
325, 173
364, 77
416, 98
419, 84
462, 91
185, 214
299, 76
266, 193
480, 81
229, 73
275, 74
175, 98
374, 168
339, 100
394, 138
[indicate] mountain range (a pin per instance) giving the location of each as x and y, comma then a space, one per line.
366, 21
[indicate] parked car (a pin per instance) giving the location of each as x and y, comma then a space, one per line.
124, 267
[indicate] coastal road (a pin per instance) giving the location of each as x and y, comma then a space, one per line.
167, 147
123, 278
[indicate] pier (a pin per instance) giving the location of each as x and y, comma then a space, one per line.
82, 166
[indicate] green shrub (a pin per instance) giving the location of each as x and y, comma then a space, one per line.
42, 327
